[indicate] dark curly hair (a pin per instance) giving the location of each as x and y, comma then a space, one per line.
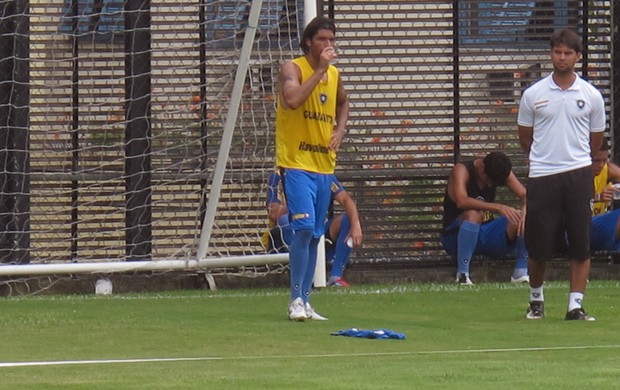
497, 167
316, 24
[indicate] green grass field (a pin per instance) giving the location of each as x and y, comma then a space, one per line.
462, 338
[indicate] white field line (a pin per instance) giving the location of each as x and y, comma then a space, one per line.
311, 356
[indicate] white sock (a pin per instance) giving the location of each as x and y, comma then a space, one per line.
574, 300
536, 294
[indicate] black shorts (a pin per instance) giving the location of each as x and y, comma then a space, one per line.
559, 214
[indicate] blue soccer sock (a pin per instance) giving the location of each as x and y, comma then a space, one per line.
308, 277
299, 252
467, 240
342, 249
521, 264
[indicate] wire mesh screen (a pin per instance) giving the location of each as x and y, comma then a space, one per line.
430, 83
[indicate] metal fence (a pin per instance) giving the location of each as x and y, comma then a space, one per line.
105, 157
437, 82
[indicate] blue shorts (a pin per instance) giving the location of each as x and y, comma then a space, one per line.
603, 233
308, 196
492, 239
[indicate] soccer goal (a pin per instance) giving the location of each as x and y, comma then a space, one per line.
147, 134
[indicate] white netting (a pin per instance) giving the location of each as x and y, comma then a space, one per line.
78, 121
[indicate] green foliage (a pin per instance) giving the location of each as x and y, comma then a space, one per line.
465, 338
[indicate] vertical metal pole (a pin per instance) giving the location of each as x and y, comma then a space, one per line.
455, 81
585, 20
310, 11
6, 84
331, 9
75, 124
138, 187
202, 55
14, 116
615, 79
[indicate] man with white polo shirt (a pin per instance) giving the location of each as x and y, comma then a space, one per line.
560, 122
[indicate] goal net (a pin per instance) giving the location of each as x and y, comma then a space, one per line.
126, 113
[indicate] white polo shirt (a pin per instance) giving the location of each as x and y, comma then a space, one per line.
562, 123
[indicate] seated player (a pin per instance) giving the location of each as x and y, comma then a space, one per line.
605, 232
469, 226
339, 230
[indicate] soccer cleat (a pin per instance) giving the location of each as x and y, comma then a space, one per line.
296, 310
338, 283
579, 314
536, 310
463, 279
313, 315
520, 279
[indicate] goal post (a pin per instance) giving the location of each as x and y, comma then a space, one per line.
229, 128
320, 277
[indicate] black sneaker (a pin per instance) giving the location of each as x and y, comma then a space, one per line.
536, 310
579, 314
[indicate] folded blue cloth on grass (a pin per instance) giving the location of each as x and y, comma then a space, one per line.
370, 334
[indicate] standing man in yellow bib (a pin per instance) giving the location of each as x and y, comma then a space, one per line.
311, 116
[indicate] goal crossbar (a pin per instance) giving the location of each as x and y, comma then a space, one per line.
138, 266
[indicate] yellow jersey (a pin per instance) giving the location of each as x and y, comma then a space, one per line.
303, 134
600, 182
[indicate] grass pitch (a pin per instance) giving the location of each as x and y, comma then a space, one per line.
457, 337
